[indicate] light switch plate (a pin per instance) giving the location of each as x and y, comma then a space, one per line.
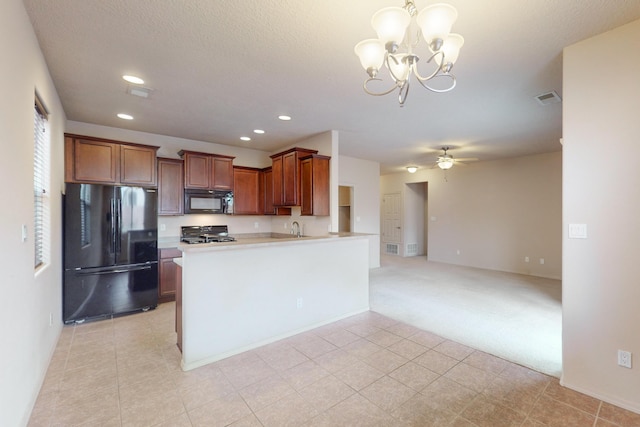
577, 231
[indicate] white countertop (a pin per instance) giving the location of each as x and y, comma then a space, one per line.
281, 239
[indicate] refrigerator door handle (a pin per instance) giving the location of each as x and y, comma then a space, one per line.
116, 271
112, 228
117, 234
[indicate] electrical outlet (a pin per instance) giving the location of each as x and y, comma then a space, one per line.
285, 225
458, 252
624, 358
526, 259
163, 227
541, 260
256, 225
299, 303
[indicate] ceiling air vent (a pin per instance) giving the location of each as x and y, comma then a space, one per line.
142, 92
548, 98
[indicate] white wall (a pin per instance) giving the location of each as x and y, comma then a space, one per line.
29, 299
414, 219
494, 212
600, 293
364, 177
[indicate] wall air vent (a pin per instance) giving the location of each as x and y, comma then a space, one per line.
412, 249
548, 98
392, 248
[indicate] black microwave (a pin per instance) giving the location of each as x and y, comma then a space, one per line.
208, 201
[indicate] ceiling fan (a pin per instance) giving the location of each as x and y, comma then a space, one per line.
446, 161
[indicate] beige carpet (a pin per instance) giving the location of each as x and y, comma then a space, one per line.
512, 316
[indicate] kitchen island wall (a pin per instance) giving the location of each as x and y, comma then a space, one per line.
292, 285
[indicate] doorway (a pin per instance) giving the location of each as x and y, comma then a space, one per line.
345, 212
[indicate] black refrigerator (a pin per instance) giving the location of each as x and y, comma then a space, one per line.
110, 251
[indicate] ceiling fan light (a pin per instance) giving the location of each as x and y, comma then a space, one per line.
436, 21
391, 24
445, 164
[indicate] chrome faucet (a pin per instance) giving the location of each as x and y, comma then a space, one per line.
295, 226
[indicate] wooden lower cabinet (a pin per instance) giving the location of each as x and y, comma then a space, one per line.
179, 306
168, 274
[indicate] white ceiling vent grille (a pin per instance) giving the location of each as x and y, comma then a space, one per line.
548, 98
142, 92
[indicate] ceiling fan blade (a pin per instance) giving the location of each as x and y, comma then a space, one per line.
466, 159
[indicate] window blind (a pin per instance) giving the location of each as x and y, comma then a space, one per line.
40, 183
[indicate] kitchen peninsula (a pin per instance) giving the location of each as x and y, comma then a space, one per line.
240, 295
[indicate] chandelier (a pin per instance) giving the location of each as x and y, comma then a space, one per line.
399, 30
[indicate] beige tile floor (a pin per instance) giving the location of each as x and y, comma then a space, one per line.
367, 370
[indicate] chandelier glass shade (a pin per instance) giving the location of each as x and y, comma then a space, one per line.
400, 30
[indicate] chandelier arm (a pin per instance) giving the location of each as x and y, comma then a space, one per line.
386, 63
435, 73
377, 93
453, 84
403, 92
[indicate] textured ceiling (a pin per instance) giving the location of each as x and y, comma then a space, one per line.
220, 69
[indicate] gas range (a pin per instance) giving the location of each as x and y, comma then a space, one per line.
205, 234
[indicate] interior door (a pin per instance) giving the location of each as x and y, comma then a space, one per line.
392, 218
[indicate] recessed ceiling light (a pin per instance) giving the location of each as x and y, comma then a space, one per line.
125, 116
258, 131
133, 79
285, 118
245, 138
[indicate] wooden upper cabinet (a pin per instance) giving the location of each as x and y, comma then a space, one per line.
170, 187
207, 171
314, 185
246, 191
286, 176
196, 170
266, 195
95, 160
137, 165
222, 173
290, 179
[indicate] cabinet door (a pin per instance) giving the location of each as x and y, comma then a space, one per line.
197, 170
246, 183
266, 191
138, 165
222, 173
290, 176
96, 161
276, 170
167, 274
314, 186
170, 187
